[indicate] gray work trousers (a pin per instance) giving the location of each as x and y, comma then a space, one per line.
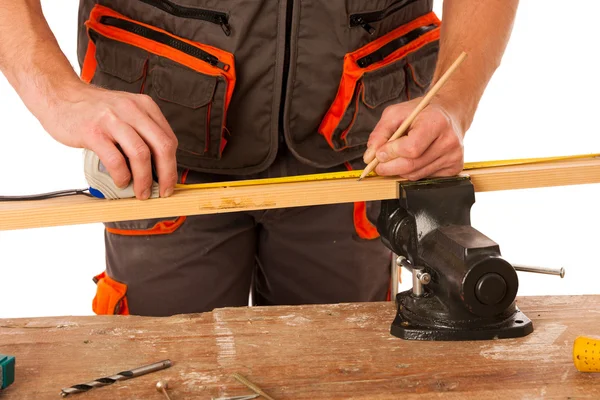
301, 255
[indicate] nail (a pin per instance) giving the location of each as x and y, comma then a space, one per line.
168, 192
146, 194
382, 156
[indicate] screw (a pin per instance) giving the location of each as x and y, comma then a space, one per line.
424, 278
162, 386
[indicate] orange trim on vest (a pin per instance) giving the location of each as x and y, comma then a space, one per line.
363, 226
110, 296
164, 50
89, 63
353, 72
184, 175
160, 228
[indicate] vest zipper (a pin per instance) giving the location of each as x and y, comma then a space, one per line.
165, 39
387, 49
366, 19
216, 17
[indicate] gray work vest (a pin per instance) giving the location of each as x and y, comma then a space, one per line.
230, 76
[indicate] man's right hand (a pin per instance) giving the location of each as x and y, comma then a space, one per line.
89, 117
79, 115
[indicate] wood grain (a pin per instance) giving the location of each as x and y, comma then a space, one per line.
82, 210
305, 352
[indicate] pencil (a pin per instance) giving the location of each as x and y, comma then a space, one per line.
422, 104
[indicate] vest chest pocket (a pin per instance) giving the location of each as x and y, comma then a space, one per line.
195, 106
119, 66
392, 69
192, 83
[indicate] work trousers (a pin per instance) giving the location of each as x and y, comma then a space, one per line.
300, 255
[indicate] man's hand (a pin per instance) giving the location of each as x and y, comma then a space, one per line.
80, 115
97, 119
433, 145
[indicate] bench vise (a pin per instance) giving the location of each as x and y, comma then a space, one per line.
462, 287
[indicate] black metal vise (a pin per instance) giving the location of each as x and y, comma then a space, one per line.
462, 288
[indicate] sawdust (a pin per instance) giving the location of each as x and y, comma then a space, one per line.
293, 320
539, 346
118, 332
360, 320
225, 341
193, 380
39, 325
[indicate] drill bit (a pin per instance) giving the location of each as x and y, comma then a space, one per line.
251, 386
121, 376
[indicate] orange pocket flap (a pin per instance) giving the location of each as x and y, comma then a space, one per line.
110, 296
362, 224
378, 54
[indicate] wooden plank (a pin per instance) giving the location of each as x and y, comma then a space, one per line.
82, 210
306, 352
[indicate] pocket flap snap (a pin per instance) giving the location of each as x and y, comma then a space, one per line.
184, 86
384, 84
119, 59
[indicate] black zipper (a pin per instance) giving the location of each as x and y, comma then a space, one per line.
216, 17
366, 19
165, 39
387, 49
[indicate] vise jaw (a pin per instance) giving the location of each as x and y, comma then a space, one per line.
462, 287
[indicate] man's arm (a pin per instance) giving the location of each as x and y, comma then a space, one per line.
80, 115
433, 146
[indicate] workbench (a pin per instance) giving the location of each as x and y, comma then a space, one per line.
302, 352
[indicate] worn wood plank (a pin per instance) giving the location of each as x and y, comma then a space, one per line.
82, 210
305, 352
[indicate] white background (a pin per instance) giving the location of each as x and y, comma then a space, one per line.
541, 102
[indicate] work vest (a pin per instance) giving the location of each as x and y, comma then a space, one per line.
236, 78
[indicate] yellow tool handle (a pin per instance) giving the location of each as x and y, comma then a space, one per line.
586, 354
356, 174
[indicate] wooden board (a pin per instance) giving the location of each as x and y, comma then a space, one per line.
306, 352
82, 210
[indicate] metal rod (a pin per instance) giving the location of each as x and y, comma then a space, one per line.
417, 285
541, 270
395, 273
121, 376
401, 261
243, 380
248, 397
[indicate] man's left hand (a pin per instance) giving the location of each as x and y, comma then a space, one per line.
433, 145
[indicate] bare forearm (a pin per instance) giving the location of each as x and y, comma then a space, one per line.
30, 57
482, 29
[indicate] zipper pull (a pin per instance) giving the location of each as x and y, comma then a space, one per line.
225, 26
356, 21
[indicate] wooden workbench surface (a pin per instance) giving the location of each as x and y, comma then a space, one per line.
307, 352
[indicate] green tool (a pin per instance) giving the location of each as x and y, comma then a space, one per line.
7, 371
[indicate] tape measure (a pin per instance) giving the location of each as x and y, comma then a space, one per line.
356, 174
586, 354
101, 184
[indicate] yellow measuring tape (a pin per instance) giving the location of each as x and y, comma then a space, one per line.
356, 174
